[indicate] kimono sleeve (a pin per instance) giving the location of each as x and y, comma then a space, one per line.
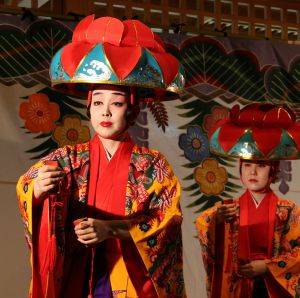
156, 231
31, 214
284, 267
206, 229
25, 199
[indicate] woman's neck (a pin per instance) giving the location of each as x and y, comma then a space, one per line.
111, 145
257, 196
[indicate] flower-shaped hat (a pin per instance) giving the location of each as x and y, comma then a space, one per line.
109, 51
259, 132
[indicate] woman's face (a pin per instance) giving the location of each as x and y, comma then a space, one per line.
255, 174
108, 112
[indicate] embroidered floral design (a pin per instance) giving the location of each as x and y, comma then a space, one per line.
164, 270
165, 200
142, 163
218, 113
144, 226
136, 192
282, 213
161, 170
281, 264
152, 241
30, 174
194, 144
288, 275
295, 243
39, 114
211, 177
71, 132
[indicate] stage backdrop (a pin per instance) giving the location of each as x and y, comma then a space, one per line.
221, 72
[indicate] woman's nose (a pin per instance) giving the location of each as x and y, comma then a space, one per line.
253, 169
106, 112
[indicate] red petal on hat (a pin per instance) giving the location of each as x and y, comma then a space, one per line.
73, 54
229, 134
137, 34
278, 117
251, 117
122, 59
106, 29
266, 139
79, 33
169, 66
234, 113
294, 131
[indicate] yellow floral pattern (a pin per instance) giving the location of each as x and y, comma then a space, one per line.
211, 177
71, 132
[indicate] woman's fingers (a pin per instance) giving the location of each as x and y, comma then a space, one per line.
91, 231
226, 212
47, 179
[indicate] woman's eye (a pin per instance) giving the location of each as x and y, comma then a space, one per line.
97, 103
262, 165
118, 104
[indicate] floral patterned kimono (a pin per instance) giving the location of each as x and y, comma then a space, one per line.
150, 263
225, 245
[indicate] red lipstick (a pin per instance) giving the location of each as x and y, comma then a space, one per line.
105, 123
252, 180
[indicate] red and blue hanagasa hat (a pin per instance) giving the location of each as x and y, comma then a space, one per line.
259, 131
109, 51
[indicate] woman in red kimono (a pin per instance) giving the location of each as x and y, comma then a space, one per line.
251, 245
102, 218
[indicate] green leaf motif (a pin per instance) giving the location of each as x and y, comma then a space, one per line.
282, 84
26, 56
211, 71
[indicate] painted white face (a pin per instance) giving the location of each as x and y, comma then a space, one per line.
108, 112
255, 174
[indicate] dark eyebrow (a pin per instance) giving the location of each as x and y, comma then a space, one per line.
115, 93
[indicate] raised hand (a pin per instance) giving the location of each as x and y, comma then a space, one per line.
226, 212
47, 179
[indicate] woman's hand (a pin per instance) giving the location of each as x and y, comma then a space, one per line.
47, 179
226, 212
92, 231
253, 269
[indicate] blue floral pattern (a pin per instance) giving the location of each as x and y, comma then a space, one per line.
194, 144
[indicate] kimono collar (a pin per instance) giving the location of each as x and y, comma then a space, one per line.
108, 179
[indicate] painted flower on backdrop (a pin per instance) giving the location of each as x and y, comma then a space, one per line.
39, 114
211, 177
217, 113
71, 132
194, 144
